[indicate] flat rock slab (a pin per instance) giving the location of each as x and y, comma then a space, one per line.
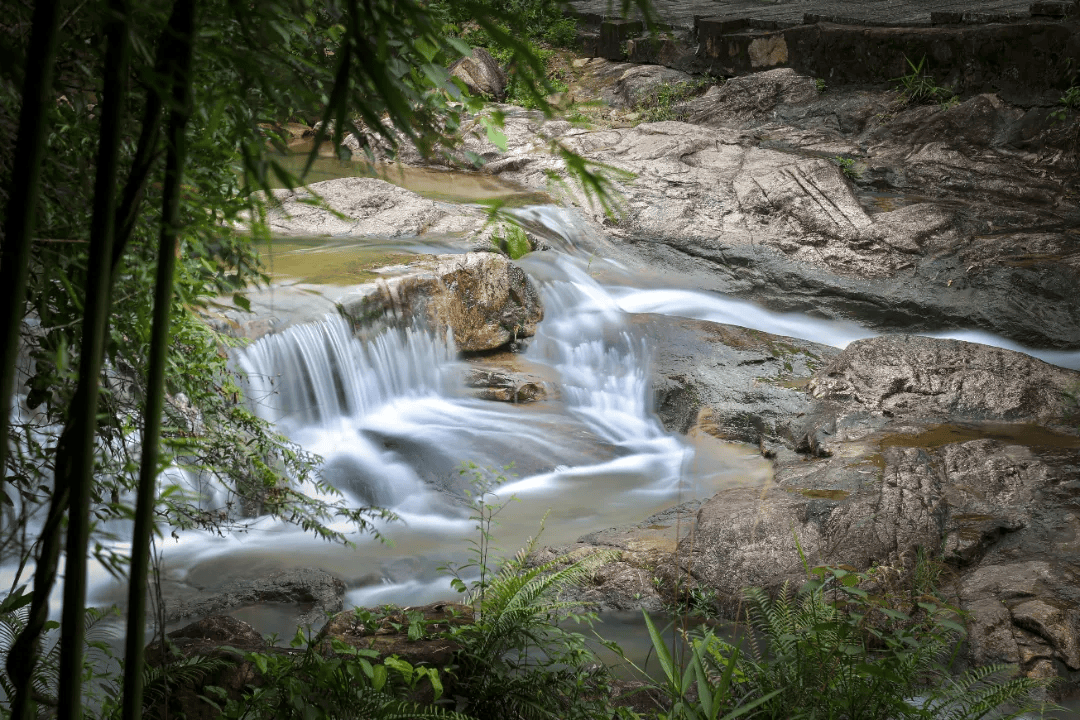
962, 217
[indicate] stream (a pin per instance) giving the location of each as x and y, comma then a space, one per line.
393, 421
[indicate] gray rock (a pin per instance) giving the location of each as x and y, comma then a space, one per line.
370, 207
481, 74
313, 593
746, 100
639, 83
902, 375
727, 381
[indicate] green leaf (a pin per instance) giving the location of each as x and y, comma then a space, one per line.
378, 677
241, 302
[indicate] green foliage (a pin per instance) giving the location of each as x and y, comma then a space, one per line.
349, 683
1070, 100
535, 20
848, 167
821, 85
663, 102
512, 240
918, 88
835, 650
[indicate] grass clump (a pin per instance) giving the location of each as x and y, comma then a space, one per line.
920, 88
665, 101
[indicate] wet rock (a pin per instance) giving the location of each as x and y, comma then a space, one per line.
643, 576
911, 451
911, 375
370, 207
481, 74
950, 224
486, 300
218, 637
312, 593
506, 386
727, 381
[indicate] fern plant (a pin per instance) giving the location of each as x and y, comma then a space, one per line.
517, 660
833, 650
14, 612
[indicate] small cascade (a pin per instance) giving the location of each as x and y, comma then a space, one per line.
314, 373
603, 367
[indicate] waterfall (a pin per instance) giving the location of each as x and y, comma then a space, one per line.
318, 372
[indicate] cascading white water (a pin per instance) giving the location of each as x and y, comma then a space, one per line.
390, 418
715, 307
317, 372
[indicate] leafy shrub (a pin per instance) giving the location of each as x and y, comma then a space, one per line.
351, 683
847, 166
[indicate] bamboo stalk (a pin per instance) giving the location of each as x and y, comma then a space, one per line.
182, 33
83, 418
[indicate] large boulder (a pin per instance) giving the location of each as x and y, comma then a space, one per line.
957, 449
481, 74
728, 381
485, 299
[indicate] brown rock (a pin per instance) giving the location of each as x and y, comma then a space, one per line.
486, 300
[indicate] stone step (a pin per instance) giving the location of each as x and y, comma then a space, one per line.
1029, 52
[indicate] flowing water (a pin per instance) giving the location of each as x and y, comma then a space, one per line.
391, 419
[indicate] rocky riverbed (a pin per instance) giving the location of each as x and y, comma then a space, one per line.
845, 204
